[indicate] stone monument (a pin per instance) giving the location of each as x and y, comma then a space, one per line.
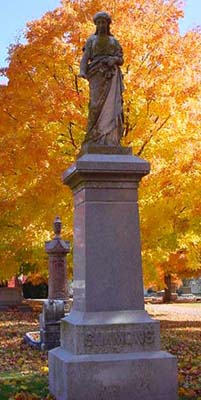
54, 307
10, 297
110, 347
57, 249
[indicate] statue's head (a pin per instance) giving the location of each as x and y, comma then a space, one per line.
102, 20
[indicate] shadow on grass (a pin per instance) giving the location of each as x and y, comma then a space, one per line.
167, 324
13, 383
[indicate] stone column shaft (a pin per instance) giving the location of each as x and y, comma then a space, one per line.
57, 250
107, 251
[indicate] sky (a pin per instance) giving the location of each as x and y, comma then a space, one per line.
15, 13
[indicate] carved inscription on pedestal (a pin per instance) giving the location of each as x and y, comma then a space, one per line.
121, 338
57, 281
111, 392
119, 390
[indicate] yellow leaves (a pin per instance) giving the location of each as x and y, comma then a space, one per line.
183, 392
5, 382
23, 387
36, 279
20, 361
25, 396
45, 369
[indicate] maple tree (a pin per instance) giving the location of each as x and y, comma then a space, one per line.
43, 121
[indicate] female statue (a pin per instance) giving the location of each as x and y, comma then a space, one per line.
100, 66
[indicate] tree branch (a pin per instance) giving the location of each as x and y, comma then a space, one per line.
10, 115
151, 135
71, 134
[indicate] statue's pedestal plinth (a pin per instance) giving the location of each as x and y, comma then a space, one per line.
110, 347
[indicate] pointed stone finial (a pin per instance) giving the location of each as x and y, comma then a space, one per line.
57, 225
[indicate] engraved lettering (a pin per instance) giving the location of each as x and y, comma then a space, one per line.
88, 340
115, 338
140, 337
149, 337
58, 277
111, 392
128, 338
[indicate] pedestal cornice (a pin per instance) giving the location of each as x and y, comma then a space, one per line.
105, 167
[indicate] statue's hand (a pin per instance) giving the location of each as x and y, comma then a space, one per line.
82, 74
111, 61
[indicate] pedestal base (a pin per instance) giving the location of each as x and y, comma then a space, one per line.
109, 332
111, 356
131, 376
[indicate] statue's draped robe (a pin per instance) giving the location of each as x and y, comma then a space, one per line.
105, 119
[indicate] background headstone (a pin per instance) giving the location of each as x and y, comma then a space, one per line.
10, 296
54, 307
57, 249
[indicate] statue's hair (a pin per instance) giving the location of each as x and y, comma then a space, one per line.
103, 14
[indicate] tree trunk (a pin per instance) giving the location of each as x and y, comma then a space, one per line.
167, 294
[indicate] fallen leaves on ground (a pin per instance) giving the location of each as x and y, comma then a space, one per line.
24, 370
180, 327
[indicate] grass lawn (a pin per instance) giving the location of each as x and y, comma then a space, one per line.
24, 370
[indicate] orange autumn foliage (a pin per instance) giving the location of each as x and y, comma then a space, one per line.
43, 119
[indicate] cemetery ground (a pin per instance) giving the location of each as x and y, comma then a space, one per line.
24, 370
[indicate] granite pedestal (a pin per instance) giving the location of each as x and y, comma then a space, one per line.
110, 347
